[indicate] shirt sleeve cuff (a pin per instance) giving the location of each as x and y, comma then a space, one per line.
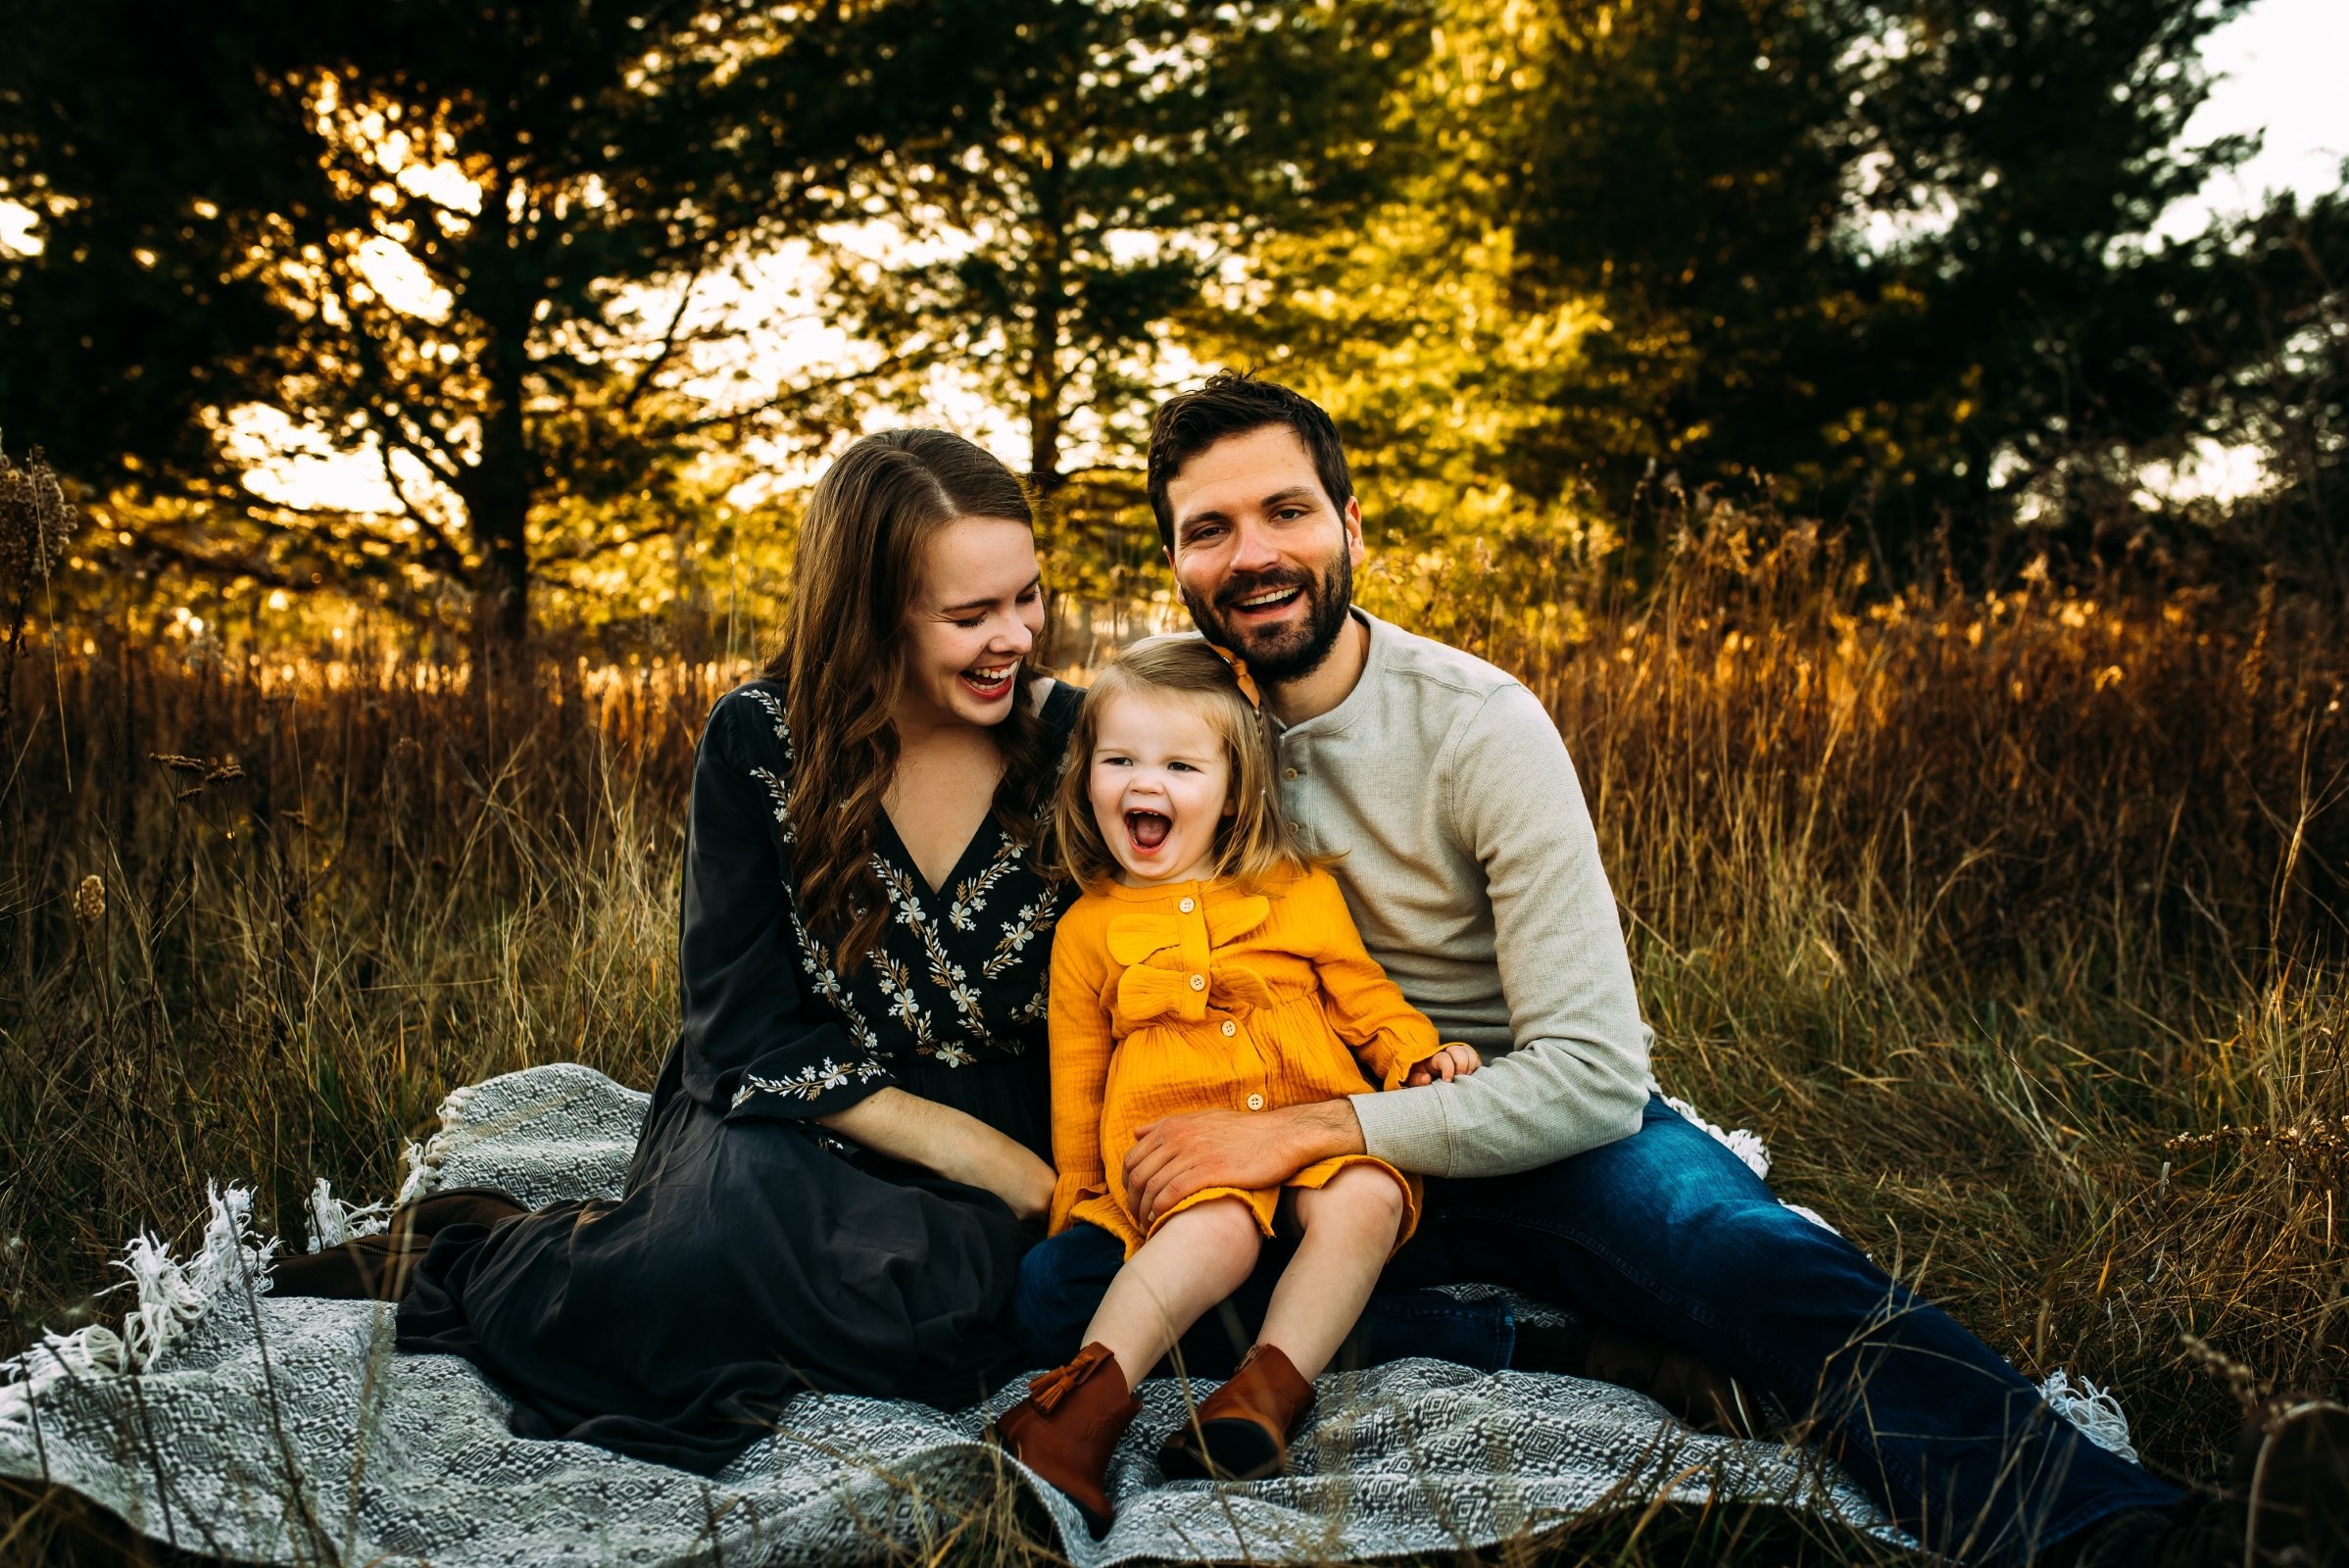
796, 1091
1407, 1128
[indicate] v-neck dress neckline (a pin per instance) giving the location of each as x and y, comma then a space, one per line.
906, 859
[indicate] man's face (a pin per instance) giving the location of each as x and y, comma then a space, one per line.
1263, 560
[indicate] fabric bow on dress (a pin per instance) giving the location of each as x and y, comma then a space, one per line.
1163, 952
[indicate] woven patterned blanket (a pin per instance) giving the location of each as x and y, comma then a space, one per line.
290, 1430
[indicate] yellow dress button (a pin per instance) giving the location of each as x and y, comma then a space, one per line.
1230, 1028
1187, 905
1199, 982
1255, 1102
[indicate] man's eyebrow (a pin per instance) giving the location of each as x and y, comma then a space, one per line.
981, 604
1295, 492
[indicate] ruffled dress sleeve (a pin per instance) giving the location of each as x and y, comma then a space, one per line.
1081, 1046
1387, 1036
761, 1036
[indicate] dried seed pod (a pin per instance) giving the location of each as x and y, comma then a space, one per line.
89, 901
34, 521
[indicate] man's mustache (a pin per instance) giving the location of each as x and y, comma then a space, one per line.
1257, 582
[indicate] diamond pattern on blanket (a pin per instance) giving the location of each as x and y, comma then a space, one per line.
287, 1432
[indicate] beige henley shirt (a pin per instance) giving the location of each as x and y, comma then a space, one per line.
1472, 868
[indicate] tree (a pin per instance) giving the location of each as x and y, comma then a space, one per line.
1895, 261
1401, 321
1125, 157
477, 243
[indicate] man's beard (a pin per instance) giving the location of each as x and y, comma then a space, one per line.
1284, 653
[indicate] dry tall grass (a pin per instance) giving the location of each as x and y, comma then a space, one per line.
2014, 924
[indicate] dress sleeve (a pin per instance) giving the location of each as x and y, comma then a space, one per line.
759, 1038
1386, 1033
1081, 1044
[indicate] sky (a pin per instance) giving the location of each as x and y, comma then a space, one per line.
2279, 71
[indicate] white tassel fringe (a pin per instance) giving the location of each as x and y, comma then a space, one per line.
333, 1223
173, 1297
2095, 1411
1746, 1145
424, 1160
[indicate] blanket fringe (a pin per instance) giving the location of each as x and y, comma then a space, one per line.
424, 1160
333, 1223
1746, 1145
2095, 1411
173, 1297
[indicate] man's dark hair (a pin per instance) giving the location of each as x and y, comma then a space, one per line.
1236, 403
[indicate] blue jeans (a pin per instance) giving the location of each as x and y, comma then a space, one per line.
1668, 1231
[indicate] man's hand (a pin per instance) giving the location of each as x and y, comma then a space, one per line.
1175, 1157
1450, 1062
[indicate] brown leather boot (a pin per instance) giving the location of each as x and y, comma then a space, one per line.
1067, 1427
1241, 1431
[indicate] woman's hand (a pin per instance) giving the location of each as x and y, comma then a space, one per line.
1452, 1061
952, 1142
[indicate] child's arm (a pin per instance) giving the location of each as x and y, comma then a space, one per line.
1080, 1061
1387, 1033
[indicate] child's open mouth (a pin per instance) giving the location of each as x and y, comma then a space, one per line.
1146, 831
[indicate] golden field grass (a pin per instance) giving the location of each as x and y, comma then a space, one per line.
2013, 922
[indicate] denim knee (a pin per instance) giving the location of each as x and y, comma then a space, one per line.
1061, 1282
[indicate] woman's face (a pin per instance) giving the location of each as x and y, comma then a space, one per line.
976, 612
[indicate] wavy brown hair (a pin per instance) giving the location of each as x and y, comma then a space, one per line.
842, 665
1251, 845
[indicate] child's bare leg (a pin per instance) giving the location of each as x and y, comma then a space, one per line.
1191, 1263
1350, 1228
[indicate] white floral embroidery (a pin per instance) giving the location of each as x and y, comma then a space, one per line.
774, 711
902, 897
779, 794
971, 896
950, 977
951, 1055
1029, 924
811, 1082
828, 984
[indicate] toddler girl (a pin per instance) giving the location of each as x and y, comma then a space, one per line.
1210, 963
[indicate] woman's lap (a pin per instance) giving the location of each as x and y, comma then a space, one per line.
748, 1263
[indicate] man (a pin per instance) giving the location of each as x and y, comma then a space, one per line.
1472, 867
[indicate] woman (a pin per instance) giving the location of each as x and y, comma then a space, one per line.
852, 1129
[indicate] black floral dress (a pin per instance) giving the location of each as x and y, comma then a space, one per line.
756, 1253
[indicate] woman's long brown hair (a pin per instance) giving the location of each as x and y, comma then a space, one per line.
842, 665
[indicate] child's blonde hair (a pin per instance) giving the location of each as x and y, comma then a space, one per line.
1252, 844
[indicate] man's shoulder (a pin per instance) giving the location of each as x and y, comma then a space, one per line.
1410, 656
1448, 684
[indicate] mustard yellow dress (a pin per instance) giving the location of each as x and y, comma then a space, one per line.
1211, 996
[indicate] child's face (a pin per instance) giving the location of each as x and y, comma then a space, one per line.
1160, 784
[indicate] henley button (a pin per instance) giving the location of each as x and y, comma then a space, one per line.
1230, 1028
1187, 905
1199, 982
1290, 774
1255, 1102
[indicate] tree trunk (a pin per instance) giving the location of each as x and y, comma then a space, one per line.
1044, 352
503, 482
